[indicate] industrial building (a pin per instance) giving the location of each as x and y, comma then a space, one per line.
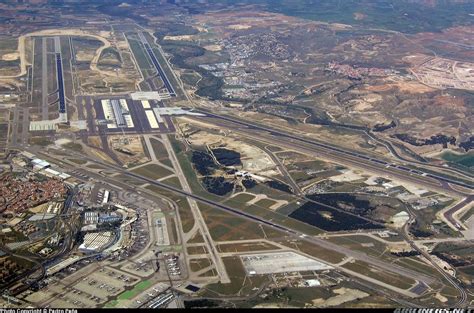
118, 113
269, 263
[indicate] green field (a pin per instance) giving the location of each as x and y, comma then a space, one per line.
466, 159
380, 274
240, 284
152, 171
172, 181
243, 198
399, 15
265, 203
140, 56
137, 289
159, 149
199, 264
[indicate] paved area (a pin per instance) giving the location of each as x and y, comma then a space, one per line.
269, 263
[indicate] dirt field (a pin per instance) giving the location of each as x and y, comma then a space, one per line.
409, 86
253, 159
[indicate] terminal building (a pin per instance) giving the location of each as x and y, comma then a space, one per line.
96, 242
117, 113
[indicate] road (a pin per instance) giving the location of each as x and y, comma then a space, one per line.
449, 215
462, 301
389, 146
284, 172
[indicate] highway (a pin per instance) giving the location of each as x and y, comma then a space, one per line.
393, 151
462, 301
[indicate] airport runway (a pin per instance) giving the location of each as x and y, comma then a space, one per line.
44, 80
60, 77
337, 154
25, 125
157, 65
300, 236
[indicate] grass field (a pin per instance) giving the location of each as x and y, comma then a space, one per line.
246, 247
111, 304
159, 149
280, 219
152, 171
78, 161
393, 279
73, 146
199, 264
129, 180
172, 181
140, 56
365, 244
417, 265
324, 254
240, 284
40, 141
197, 250
138, 288
265, 203
210, 273
197, 238
243, 198
224, 226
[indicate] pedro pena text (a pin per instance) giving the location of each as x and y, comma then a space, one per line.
38, 311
